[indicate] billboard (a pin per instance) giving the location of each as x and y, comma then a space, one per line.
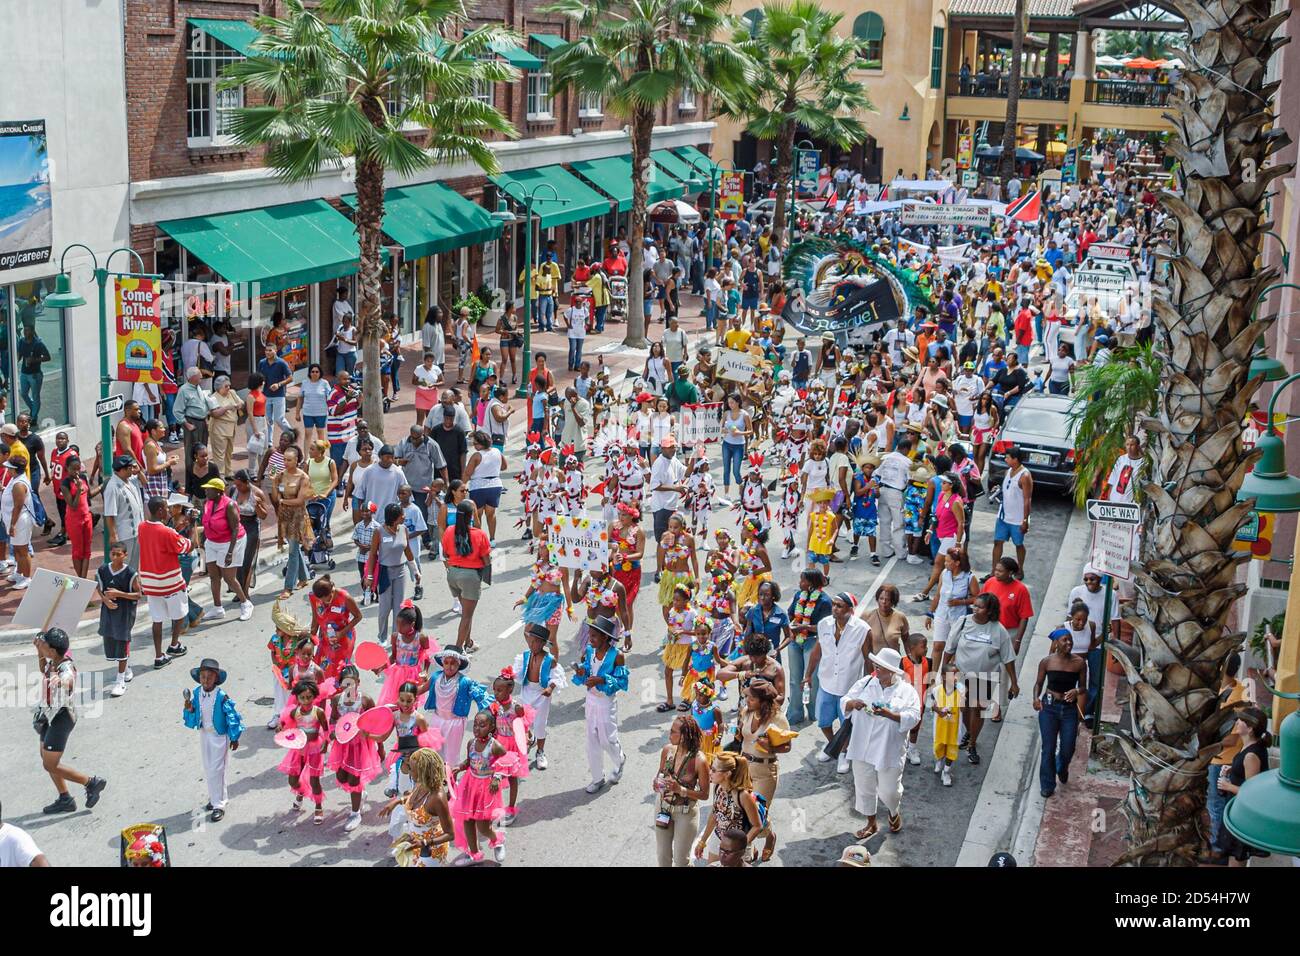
927, 214
26, 217
731, 196
137, 323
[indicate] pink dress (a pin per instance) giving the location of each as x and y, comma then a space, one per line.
359, 756
411, 660
309, 762
473, 798
505, 717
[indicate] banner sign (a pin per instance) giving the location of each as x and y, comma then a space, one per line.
931, 214
26, 216
965, 151
701, 423
579, 543
137, 326
735, 366
807, 164
1256, 535
731, 196
1109, 250
948, 255
1069, 165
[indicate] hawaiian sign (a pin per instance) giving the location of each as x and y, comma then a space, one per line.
581, 543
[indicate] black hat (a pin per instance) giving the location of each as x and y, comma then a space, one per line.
602, 623
208, 664
1002, 860
122, 461
539, 630
455, 654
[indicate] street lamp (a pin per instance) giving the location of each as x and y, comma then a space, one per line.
504, 216
1265, 812
1261, 363
64, 298
1268, 482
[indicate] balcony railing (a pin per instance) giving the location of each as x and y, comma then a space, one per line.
1127, 93
995, 87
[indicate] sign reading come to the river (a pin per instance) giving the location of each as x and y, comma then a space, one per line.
138, 328
26, 221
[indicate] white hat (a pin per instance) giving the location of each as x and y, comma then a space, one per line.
888, 658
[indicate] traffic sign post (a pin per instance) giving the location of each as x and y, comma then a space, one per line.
1112, 548
1116, 512
1114, 525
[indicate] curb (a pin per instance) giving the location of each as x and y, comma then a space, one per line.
1009, 809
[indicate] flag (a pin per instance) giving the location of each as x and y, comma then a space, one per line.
1026, 208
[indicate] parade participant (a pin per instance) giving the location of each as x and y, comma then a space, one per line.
547, 595
334, 618
680, 620
450, 694
753, 494
1059, 707
884, 709
627, 548
763, 735
946, 702
505, 711
409, 653
390, 552
806, 611
734, 805
630, 472
705, 659
603, 672
865, 505
423, 823
476, 801
916, 669
699, 496
823, 527
719, 604
212, 713
283, 647
540, 676
723, 554
574, 483
305, 765
754, 566
914, 497
411, 731
979, 645
118, 588
681, 783
603, 595
677, 562
791, 508
358, 760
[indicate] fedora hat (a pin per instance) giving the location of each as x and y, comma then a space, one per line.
208, 664
889, 659
921, 471
602, 623
453, 654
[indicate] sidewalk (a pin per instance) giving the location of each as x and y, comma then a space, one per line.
607, 347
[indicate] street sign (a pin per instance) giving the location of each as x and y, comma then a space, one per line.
109, 406
1116, 512
1112, 548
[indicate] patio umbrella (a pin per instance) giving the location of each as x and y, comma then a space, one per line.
1109, 61
1141, 63
1023, 153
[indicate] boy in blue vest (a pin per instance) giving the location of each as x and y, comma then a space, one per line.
540, 675
604, 673
211, 712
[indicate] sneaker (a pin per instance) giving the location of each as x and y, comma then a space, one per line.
214, 614
824, 757
94, 787
455, 610
176, 650
65, 804
353, 821
161, 661
246, 610
128, 675
419, 592
273, 723
499, 851
842, 765
22, 584
593, 787
724, 502
938, 765
119, 688
853, 551
509, 817
58, 540
913, 559
617, 773
542, 762
913, 757
946, 777
787, 553
875, 560
7, 564
972, 756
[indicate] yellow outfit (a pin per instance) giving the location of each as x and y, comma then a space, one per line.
821, 526
747, 593
946, 729
737, 339
676, 656
599, 290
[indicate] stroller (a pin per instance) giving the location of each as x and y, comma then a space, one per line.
319, 555
618, 297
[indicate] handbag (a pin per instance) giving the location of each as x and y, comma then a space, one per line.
485, 572
840, 742
257, 446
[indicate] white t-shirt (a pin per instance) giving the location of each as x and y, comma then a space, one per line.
220, 361
712, 291
345, 340
1096, 603
965, 389
17, 848
576, 316
1123, 478
1060, 368
193, 350
818, 474
666, 471
428, 377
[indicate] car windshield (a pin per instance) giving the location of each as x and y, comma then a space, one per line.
1041, 421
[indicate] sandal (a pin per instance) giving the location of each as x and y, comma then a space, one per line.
318, 817
895, 822
867, 832
921, 598
766, 855
664, 707
683, 706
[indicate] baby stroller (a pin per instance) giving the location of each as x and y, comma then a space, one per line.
322, 544
618, 297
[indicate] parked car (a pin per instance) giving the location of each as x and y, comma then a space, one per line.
1040, 424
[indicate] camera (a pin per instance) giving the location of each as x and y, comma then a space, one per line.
663, 819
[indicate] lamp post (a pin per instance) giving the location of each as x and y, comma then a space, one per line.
64, 298
503, 215
1261, 363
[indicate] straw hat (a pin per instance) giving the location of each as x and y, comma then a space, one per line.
286, 622
922, 471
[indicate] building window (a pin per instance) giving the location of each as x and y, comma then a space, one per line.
755, 17
36, 382
936, 60
539, 94
870, 29
209, 110
590, 105
484, 91
688, 99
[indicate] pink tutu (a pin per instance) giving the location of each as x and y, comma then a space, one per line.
473, 799
304, 764
395, 675
358, 757
506, 738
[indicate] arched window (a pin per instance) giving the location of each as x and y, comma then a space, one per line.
755, 17
870, 28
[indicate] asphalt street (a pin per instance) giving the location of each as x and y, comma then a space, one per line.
153, 768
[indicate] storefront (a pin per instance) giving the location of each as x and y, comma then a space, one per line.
33, 355
613, 177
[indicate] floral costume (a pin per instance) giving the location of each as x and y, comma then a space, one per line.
719, 602
913, 504
681, 624
702, 664
705, 714
545, 607
865, 511
676, 551
601, 600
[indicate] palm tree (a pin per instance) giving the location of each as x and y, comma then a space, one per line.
638, 54
1007, 163
1131, 383
1186, 578
804, 82
385, 83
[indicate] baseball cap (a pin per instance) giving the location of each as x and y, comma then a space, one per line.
9, 429
216, 484
122, 461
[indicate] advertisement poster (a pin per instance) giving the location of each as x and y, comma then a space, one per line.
965, 151
701, 423
580, 543
807, 163
137, 323
26, 217
1069, 165
731, 196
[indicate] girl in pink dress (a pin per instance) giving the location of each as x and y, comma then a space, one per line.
476, 801
305, 766
504, 709
358, 761
410, 651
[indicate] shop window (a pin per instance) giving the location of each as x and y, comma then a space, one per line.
870, 29
209, 110
590, 105
484, 91
34, 336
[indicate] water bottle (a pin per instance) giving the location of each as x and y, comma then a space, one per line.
807, 695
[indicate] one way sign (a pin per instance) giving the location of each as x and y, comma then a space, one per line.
1119, 512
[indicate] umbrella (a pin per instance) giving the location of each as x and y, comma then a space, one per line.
1023, 154
1110, 61
1142, 63
674, 210
1174, 64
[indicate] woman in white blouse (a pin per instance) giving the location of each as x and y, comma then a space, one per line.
661, 426
884, 708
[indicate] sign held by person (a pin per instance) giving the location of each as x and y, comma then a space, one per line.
735, 366
580, 543
701, 423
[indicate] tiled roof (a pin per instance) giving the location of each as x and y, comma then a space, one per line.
1007, 8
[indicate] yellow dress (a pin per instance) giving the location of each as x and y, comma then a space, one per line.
946, 729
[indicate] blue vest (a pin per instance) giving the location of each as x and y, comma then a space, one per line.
466, 691
226, 721
543, 675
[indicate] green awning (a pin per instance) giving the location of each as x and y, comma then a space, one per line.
279, 247
613, 177
695, 180
432, 218
236, 34
701, 162
516, 56
549, 41
583, 201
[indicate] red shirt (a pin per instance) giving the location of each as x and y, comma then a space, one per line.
1013, 599
615, 265
479, 544
1024, 327
57, 461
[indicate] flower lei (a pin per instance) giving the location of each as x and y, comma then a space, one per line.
805, 604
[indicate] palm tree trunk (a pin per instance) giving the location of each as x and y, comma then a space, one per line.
369, 223
1007, 164
1187, 579
784, 169
642, 135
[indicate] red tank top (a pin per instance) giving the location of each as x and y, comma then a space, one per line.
136, 450
216, 521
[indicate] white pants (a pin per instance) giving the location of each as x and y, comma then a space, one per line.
872, 785
531, 695
891, 519
281, 698
215, 751
602, 732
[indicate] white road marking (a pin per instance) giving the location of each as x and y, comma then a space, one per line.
864, 603
510, 630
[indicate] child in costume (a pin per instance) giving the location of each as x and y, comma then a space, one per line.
505, 710
211, 712
450, 694
476, 801
334, 618
548, 593
699, 496
914, 505
791, 508
410, 650
753, 494
540, 675
723, 555
305, 765
866, 503
708, 715
704, 661
357, 761
603, 672
754, 565
603, 595
575, 483
282, 645
946, 698
719, 606
631, 472
530, 478
680, 619
823, 527
420, 822
675, 561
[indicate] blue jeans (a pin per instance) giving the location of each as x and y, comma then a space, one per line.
275, 415
29, 387
733, 457
1022, 352
599, 314
575, 354
1058, 388
337, 448
796, 664
1058, 723
1215, 800
295, 570
546, 313
169, 409
346, 362
711, 316
329, 507
1096, 668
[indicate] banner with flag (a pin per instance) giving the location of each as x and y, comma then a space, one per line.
1026, 208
